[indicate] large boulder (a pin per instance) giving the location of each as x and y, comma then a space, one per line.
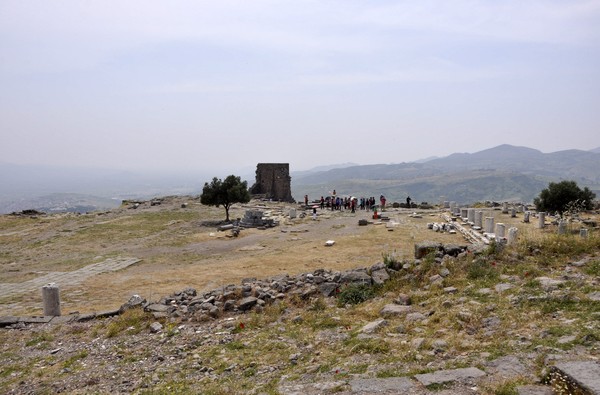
380, 276
355, 277
426, 247
247, 303
453, 249
328, 288
132, 303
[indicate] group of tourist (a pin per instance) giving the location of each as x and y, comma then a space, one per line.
350, 203
347, 203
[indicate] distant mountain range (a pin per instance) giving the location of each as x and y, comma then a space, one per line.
502, 173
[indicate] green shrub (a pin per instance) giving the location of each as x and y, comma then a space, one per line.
390, 260
482, 269
355, 294
593, 269
494, 249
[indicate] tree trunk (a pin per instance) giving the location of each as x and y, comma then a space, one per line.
227, 212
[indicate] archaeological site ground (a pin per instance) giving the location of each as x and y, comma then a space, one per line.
157, 300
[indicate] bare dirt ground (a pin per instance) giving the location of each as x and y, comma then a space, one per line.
181, 247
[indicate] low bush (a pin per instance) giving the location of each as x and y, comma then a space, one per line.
355, 294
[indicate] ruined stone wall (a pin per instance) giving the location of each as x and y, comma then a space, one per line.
273, 181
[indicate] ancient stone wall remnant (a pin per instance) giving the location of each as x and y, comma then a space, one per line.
273, 181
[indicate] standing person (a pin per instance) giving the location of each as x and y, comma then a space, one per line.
408, 202
382, 201
322, 202
353, 204
306, 200
314, 214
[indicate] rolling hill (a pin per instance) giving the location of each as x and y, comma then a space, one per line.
502, 173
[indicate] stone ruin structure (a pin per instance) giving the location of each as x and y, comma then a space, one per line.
273, 182
256, 219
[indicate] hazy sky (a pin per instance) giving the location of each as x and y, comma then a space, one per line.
227, 84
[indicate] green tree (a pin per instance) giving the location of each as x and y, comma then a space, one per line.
225, 193
560, 197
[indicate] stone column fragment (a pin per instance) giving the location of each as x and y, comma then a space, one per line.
471, 215
541, 220
51, 299
512, 235
562, 227
500, 230
478, 218
489, 224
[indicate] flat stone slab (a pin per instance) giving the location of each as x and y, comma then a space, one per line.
583, 375
391, 385
534, 390
8, 320
508, 367
549, 283
373, 326
394, 310
107, 313
311, 388
447, 376
44, 319
85, 317
503, 287
157, 308
66, 278
63, 319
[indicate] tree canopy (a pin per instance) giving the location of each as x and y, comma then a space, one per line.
225, 193
564, 196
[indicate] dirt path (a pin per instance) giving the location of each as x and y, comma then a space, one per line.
71, 278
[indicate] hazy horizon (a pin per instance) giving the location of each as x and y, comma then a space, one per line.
220, 86
247, 170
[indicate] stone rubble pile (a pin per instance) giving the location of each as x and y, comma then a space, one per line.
253, 294
441, 227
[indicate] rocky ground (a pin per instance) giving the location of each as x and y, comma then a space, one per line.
518, 320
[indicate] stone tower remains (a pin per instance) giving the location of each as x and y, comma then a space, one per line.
273, 181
